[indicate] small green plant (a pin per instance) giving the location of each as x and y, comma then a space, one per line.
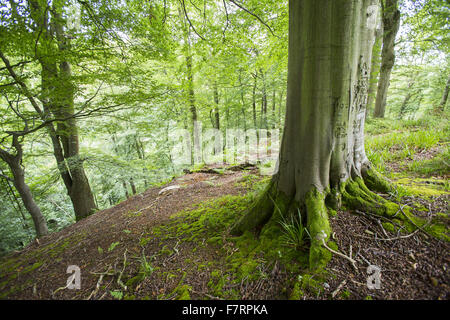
293, 231
145, 271
117, 294
146, 267
112, 246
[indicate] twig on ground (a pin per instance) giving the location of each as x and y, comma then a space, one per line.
119, 279
419, 228
365, 260
352, 261
335, 292
389, 239
97, 287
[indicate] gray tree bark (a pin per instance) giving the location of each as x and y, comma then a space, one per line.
14, 163
374, 71
57, 96
330, 48
391, 24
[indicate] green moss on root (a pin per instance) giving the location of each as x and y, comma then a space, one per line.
319, 228
376, 181
358, 196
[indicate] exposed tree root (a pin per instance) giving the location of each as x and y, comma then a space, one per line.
319, 229
375, 181
356, 194
259, 214
316, 216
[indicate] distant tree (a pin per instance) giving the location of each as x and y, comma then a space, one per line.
14, 161
444, 96
391, 24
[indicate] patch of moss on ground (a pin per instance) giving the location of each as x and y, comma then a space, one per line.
250, 256
306, 283
423, 187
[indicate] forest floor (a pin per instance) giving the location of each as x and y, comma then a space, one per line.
174, 244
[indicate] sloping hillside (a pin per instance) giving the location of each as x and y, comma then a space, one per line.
172, 243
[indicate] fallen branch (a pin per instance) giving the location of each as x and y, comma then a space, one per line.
335, 292
353, 262
97, 287
119, 281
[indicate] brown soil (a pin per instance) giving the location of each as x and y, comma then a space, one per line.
411, 268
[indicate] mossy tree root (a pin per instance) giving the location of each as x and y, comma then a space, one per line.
258, 215
375, 181
317, 222
319, 229
261, 211
357, 194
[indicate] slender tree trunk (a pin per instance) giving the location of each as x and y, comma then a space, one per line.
196, 155
125, 189
330, 47
40, 224
280, 118
274, 103
263, 116
14, 163
391, 24
444, 96
405, 102
216, 107
374, 71
133, 186
216, 120
244, 121
255, 125
13, 197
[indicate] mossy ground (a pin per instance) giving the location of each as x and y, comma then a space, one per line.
247, 258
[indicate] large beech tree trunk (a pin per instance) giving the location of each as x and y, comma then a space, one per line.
57, 96
391, 24
330, 47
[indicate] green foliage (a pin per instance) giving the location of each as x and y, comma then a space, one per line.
113, 245
439, 165
403, 140
117, 294
293, 231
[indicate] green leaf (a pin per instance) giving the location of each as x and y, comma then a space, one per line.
112, 246
117, 294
